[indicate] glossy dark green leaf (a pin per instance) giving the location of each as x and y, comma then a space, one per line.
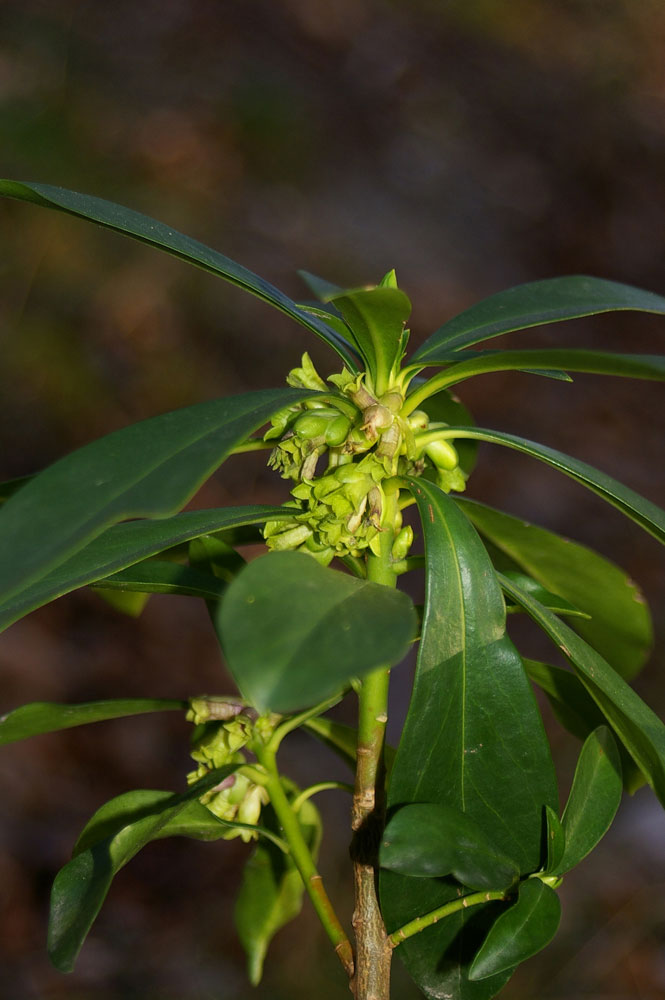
556, 840
425, 840
271, 893
321, 287
194, 820
81, 886
644, 366
524, 929
146, 230
576, 711
160, 577
295, 633
636, 507
473, 739
620, 624
534, 304
125, 545
557, 604
149, 469
376, 317
49, 717
11, 486
594, 798
636, 725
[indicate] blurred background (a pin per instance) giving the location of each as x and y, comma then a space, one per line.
470, 144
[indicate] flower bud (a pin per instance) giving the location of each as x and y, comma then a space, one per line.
443, 454
310, 425
418, 420
402, 543
337, 430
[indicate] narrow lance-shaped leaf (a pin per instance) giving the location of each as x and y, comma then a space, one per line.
49, 717
523, 930
472, 718
271, 892
533, 304
150, 469
556, 840
594, 798
636, 507
146, 230
194, 820
124, 545
619, 626
639, 729
161, 577
295, 633
81, 886
534, 362
376, 317
576, 711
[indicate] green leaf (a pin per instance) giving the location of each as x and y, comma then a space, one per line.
472, 718
620, 623
81, 886
644, 366
321, 287
150, 469
576, 711
425, 840
271, 893
552, 601
146, 230
594, 798
294, 633
376, 317
556, 840
194, 820
124, 545
636, 507
639, 729
522, 931
49, 717
161, 577
534, 304
11, 486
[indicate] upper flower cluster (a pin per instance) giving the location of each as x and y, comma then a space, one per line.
364, 440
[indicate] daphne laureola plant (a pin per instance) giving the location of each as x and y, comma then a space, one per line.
458, 844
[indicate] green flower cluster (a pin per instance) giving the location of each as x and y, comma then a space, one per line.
365, 439
238, 798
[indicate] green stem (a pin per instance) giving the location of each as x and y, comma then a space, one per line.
300, 719
420, 923
303, 860
252, 444
373, 950
423, 392
323, 786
